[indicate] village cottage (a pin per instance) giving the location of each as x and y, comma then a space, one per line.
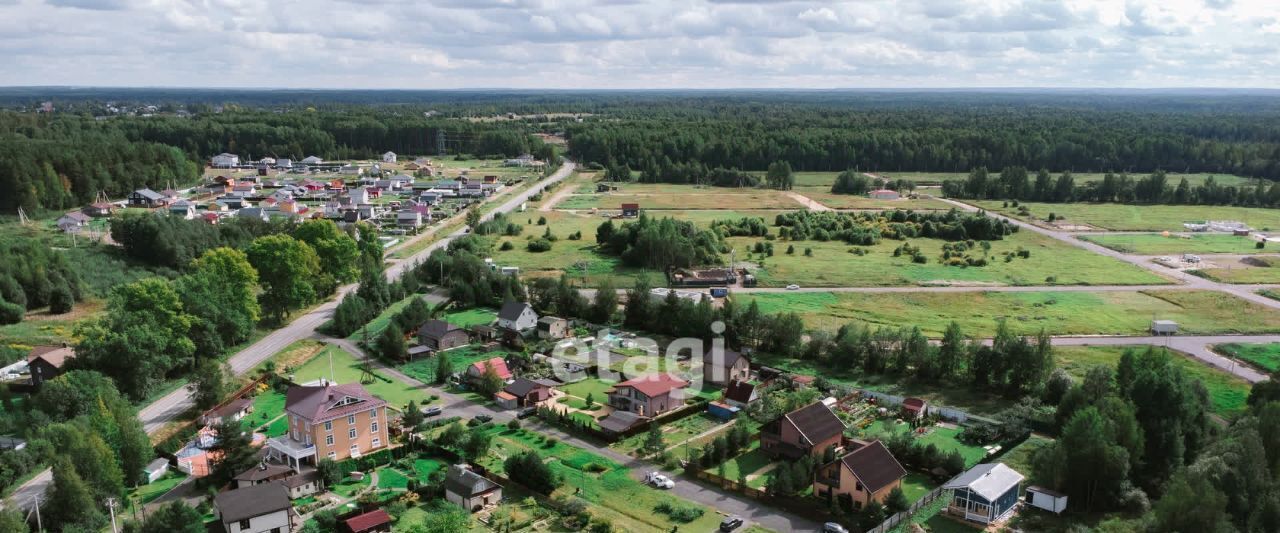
809, 430
865, 474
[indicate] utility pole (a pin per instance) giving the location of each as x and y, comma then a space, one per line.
39, 524
111, 506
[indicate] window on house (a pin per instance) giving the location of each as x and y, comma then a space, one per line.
244, 524
351, 419
355, 449
373, 428
328, 426
373, 413
858, 486
377, 442
328, 440
333, 455
351, 434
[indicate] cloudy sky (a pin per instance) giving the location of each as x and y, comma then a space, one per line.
640, 43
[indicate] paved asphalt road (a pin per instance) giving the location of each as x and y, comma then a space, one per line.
155, 415
726, 503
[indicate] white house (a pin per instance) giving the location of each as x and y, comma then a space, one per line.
1042, 498
263, 508
268, 161
409, 218
284, 163
183, 208
156, 469
225, 160
517, 316
389, 157
312, 160
359, 195
350, 170
469, 490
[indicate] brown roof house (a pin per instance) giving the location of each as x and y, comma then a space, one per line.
914, 409
441, 335
866, 474
261, 508
46, 362
719, 367
528, 392
375, 521
809, 430
550, 327
740, 394
330, 421
262, 473
649, 395
230, 411
471, 491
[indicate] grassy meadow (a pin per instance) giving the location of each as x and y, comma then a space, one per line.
675, 196
1120, 217
1056, 312
1264, 356
1176, 243
1227, 393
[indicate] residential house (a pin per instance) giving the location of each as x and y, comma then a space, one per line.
73, 221
660, 294
429, 198
269, 161
284, 163
985, 493
245, 189
884, 194
809, 430
478, 368
375, 521
47, 362
914, 409
528, 392
649, 395
517, 317
263, 472
254, 212
303, 484
740, 394
350, 170
412, 166
719, 367
524, 160
312, 160
630, 210
227, 412
225, 160
229, 203
183, 208
550, 327
373, 192
146, 198
210, 216
469, 490
359, 195
490, 179
389, 157
408, 218
866, 474
330, 421
261, 508
155, 470
440, 335
99, 209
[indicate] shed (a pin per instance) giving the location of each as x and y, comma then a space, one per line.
723, 411
630, 210
505, 400
156, 469
1049, 500
373, 521
1164, 327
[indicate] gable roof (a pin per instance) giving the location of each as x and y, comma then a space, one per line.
254, 500
522, 387
512, 310
156, 465
371, 519
76, 216
499, 367
54, 356
874, 466
231, 407
655, 384
299, 480
463, 481
631, 206
149, 194
619, 421
913, 404
436, 329
739, 391
263, 471
815, 422
989, 480
326, 402
729, 359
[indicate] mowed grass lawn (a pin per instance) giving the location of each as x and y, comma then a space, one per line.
149, 492
576, 258
833, 265
673, 433
1227, 393
824, 196
675, 196
390, 478
1249, 270
590, 386
945, 439
424, 369
916, 485
266, 407
477, 316
346, 369
1026, 313
1120, 217
1265, 356
602, 482
1177, 243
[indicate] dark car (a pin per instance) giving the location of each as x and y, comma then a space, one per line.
526, 412
731, 523
483, 418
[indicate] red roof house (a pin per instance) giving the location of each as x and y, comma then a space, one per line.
649, 395
370, 522
499, 366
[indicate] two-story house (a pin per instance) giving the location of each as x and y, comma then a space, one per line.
719, 367
866, 474
649, 395
330, 421
517, 317
809, 430
263, 508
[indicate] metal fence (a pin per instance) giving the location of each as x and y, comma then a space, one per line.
900, 517
948, 413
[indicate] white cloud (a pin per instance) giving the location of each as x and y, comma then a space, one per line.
640, 43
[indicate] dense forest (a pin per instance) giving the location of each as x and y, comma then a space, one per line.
1014, 183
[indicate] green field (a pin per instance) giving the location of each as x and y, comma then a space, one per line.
1264, 356
424, 369
675, 196
266, 407
1227, 393
916, 485
1247, 270
149, 492
423, 468
673, 433
349, 487
593, 386
945, 439
1058, 313
576, 258
1019, 458
612, 492
824, 196
390, 478
472, 317
747, 463
832, 265
346, 369
1120, 217
1176, 243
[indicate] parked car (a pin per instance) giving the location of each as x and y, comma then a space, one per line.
832, 527
731, 523
432, 411
526, 412
658, 480
793, 287
483, 418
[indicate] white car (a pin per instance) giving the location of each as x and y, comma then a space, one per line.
793, 287
658, 480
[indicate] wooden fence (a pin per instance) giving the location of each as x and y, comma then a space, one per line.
900, 517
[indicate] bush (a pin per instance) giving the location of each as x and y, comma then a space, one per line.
542, 221
506, 245
539, 245
10, 313
513, 425
679, 513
